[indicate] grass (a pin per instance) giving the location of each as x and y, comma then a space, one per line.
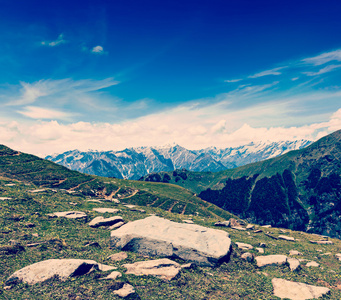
66, 238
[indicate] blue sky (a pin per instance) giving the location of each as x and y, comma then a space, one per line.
115, 74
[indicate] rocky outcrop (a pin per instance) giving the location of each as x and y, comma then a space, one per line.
157, 236
296, 290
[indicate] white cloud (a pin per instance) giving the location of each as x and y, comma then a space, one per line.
324, 58
60, 40
97, 49
323, 70
274, 71
35, 112
233, 80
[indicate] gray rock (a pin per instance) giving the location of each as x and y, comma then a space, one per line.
244, 246
250, 226
238, 228
188, 221
5, 198
296, 290
247, 256
262, 245
312, 264
101, 221
105, 210
260, 250
44, 270
338, 256
157, 236
118, 256
322, 242
287, 238
294, 263
222, 224
162, 268
266, 226
125, 291
115, 226
105, 268
68, 214
295, 252
113, 275
271, 260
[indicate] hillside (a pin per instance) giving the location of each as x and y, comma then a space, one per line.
48, 175
30, 235
133, 163
300, 189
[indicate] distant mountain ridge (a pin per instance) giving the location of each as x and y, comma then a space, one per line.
134, 163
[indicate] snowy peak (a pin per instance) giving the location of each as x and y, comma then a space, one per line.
133, 163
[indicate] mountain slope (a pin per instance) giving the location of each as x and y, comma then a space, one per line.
299, 190
45, 174
133, 163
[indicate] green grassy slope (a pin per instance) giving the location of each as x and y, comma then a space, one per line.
23, 219
45, 174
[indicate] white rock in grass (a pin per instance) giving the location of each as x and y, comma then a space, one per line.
163, 268
113, 275
157, 236
295, 252
68, 214
287, 238
125, 291
294, 263
105, 210
244, 246
271, 260
100, 221
44, 270
312, 264
296, 290
338, 256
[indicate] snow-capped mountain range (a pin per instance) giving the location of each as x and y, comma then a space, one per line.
133, 163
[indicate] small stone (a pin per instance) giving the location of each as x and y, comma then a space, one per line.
106, 210
266, 226
312, 264
35, 234
163, 268
263, 245
125, 291
294, 263
322, 242
118, 256
234, 222
271, 260
257, 231
68, 215
188, 266
295, 252
244, 246
247, 256
338, 256
287, 238
105, 268
116, 226
7, 287
222, 224
188, 221
250, 226
238, 228
93, 244
113, 275
260, 250
100, 221
30, 225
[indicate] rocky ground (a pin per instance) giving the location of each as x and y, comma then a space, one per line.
56, 245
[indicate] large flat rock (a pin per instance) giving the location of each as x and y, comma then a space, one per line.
297, 290
44, 270
157, 236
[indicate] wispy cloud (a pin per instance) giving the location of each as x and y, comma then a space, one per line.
324, 58
233, 80
274, 71
60, 40
35, 112
323, 70
97, 50
58, 89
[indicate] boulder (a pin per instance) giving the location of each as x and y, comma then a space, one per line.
296, 290
68, 214
105, 210
100, 221
286, 238
157, 236
44, 270
271, 260
162, 268
244, 246
294, 264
